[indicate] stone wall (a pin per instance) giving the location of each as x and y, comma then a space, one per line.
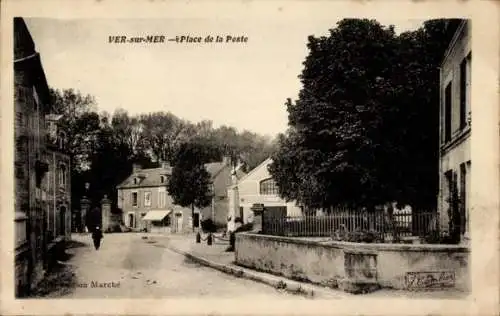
349, 265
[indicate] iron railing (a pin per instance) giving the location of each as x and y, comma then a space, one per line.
415, 223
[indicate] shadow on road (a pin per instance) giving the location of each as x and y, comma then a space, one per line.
75, 244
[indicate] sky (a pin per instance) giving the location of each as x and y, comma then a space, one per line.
244, 85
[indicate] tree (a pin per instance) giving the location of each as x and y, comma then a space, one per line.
163, 133
81, 124
190, 181
128, 132
364, 128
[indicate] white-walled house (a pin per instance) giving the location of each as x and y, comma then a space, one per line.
257, 187
455, 126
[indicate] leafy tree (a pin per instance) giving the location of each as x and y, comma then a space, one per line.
81, 124
128, 132
364, 128
163, 133
190, 181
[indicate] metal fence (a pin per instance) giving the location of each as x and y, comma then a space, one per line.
415, 223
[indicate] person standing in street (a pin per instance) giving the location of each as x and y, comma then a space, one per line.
97, 236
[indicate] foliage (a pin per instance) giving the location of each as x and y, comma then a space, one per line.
364, 127
104, 146
190, 182
359, 236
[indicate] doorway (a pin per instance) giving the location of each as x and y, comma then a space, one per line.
178, 222
62, 220
196, 220
130, 220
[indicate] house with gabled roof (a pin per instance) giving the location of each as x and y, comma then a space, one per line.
257, 188
146, 204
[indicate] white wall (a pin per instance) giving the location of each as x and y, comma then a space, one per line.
248, 193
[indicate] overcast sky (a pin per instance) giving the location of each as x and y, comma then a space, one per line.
241, 85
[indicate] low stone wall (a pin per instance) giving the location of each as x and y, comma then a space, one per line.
347, 265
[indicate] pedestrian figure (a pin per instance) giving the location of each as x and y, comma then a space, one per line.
97, 236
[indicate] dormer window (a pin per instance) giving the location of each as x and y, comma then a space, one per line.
136, 181
162, 179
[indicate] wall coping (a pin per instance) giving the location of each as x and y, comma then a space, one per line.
359, 247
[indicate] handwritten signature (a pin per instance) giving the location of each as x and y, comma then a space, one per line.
430, 279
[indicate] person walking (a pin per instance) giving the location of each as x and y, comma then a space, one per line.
97, 236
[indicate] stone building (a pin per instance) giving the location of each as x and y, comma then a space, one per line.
57, 184
143, 191
37, 160
146, 204
31, 99
455, 127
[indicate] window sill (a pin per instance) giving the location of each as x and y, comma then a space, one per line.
457, 138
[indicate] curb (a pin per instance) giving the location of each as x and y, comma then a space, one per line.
289, 286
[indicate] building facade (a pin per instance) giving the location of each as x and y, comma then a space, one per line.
31, 104
257, 187
455, 130
143, 191
56, 187
146, 204
221, 178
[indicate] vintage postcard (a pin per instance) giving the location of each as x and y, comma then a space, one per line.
250, 157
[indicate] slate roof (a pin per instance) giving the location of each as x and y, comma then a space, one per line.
151, 177
148, 178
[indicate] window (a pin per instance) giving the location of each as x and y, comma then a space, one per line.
61, 140
464, 87
147, 198
162, 179
62, 175
447, 113
268, 187
134, 198
135, 181
162, 198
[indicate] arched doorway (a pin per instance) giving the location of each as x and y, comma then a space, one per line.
62, 220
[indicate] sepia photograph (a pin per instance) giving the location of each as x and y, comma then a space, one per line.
202, 158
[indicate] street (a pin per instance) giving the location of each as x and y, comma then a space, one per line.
127, 266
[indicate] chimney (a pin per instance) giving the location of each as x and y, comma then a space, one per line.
136, 167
